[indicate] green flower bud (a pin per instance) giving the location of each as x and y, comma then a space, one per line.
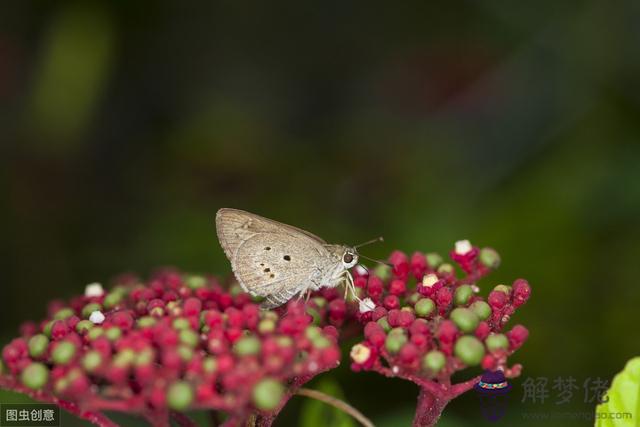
90, 308
179, 396
384, 323
47, 328
284, 341
446, 269
433, 259
146, 322
84, 326
210, 364
95, 332
38, 345
195, 282
112, 299
313, 332
267, 394
124, 357
434, 361
462, 294
469, 350
414, 298
181, 323
266, 326
247, 346
35, 376
145, 357
497, 342
63, 352
185, 352
189, 337
481, 309
424, 307
91, 361
63, 313
113, 333
382, 271
465, 319
489, 257
157, 312
395, 340
321, 342
60, 386
503, 288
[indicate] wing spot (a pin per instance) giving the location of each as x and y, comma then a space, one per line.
287, 258
268, 248
272, 275
262, 264
266, 270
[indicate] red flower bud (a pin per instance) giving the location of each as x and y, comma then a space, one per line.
497, 300
517, 336
521, 292
397, 287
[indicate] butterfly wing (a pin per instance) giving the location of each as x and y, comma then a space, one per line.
268, 258
234, 226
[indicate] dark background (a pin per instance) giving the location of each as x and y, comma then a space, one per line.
126, 125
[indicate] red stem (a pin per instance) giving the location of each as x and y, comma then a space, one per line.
433, 396
429, 408
182, 419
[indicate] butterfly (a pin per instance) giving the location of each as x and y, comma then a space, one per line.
277, 261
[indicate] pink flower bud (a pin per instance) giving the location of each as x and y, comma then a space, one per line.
483, 330
443, 298
192, 306
497, 300
391, 302
447, 331
517, 336
397, 287
521, 292
418, 265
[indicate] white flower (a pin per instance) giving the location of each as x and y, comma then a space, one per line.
361, 270
97, 317
366, 305
463, 247
429, 280
360, 353
93, 290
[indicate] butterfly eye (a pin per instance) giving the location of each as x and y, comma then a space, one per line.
347, 258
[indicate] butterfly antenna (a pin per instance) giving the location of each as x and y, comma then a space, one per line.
377, 239
376, 260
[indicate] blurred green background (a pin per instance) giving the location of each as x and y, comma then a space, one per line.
126, 125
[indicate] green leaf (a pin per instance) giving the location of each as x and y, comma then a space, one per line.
623, 399
319, 414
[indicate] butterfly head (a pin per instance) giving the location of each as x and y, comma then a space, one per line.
349, 257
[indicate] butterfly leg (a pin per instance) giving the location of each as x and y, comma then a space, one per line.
350, 286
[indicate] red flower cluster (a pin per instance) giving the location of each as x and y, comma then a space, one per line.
426, 329
174, 343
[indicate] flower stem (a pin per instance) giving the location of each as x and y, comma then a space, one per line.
429, 409
182, 419
336, 403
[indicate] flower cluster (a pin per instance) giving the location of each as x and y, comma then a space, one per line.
174, 343
422, 322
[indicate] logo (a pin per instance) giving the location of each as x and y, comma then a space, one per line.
493, 392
